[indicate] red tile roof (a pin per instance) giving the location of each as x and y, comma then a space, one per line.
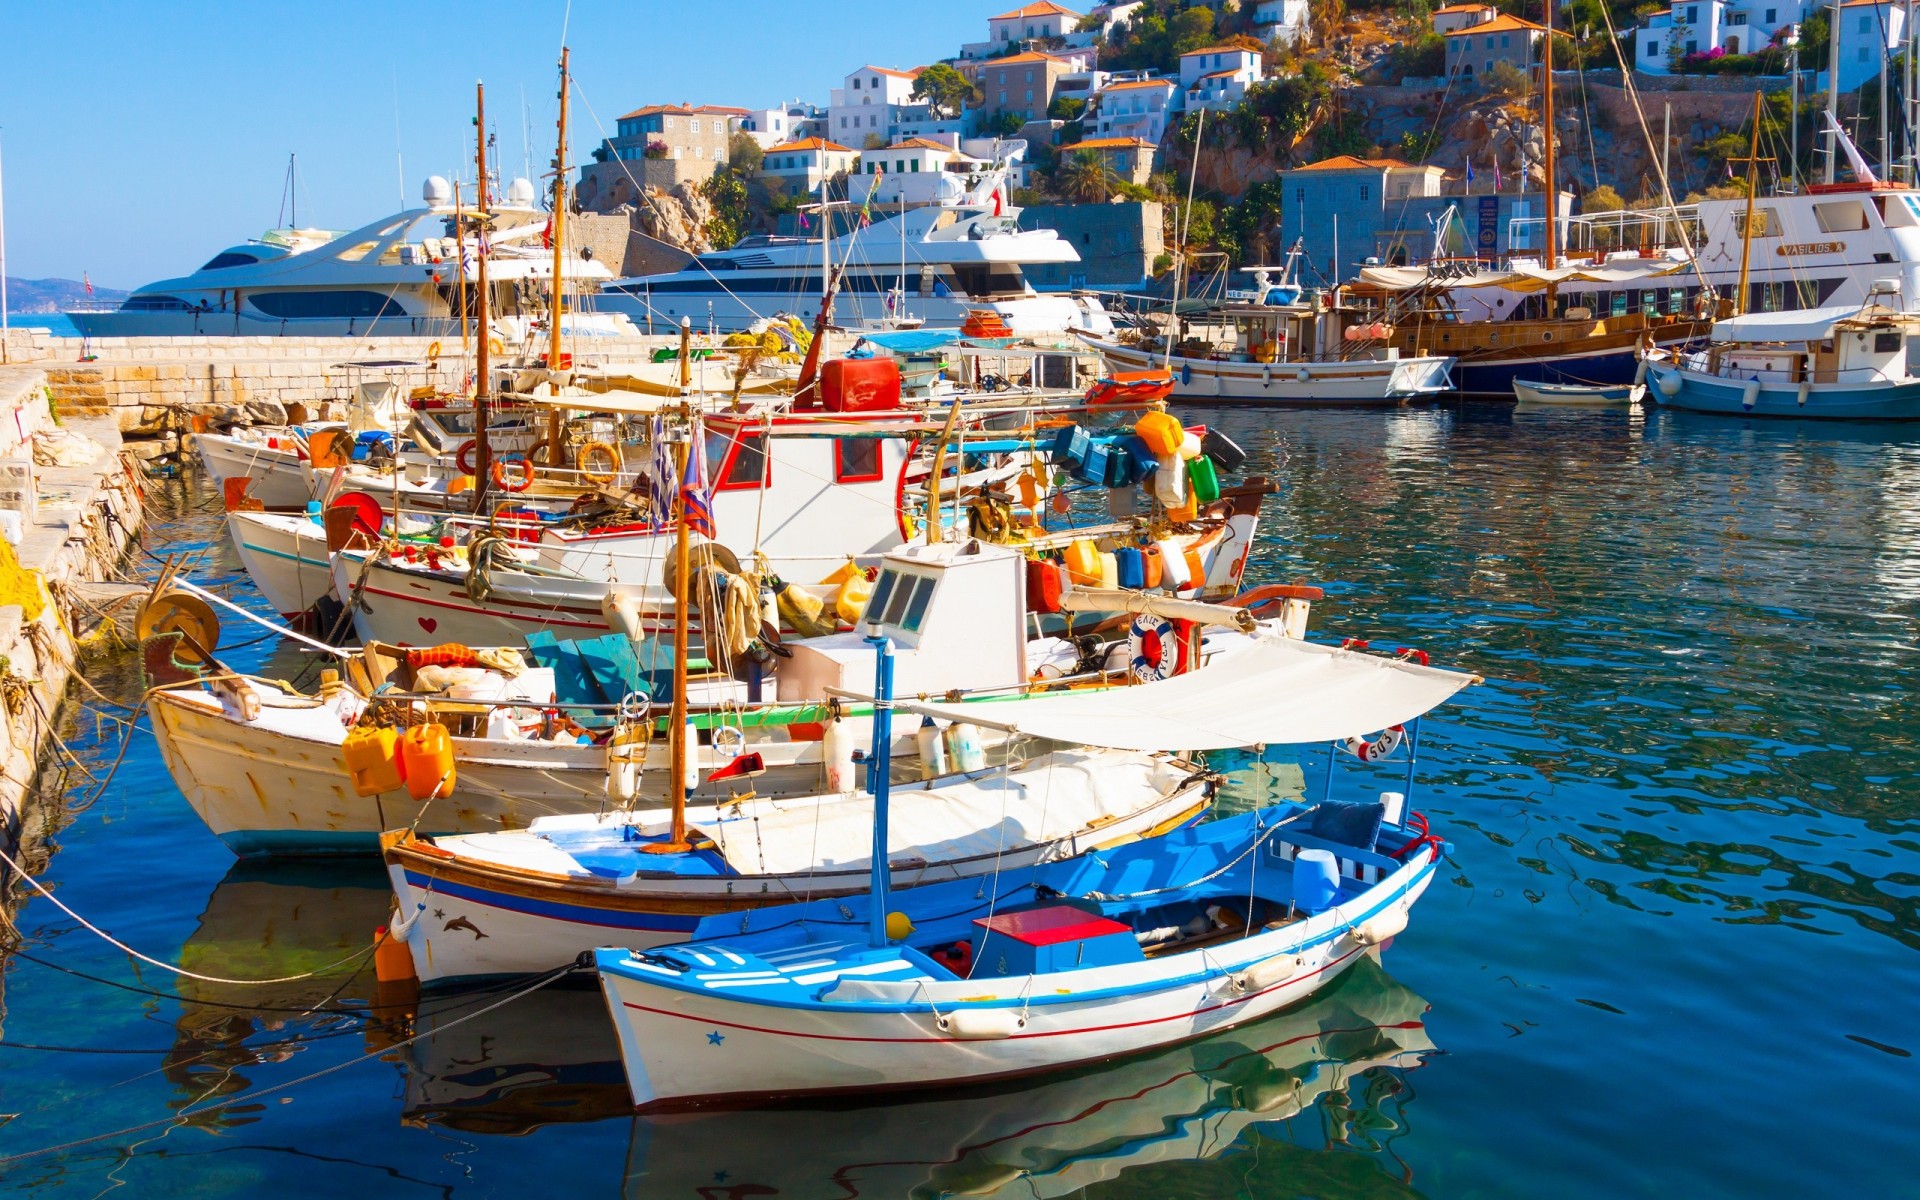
1502, 24
1110, 143
812, 143
1138, 83
1046, 8
1348, 162
1221, 49
683, 110
1031, 56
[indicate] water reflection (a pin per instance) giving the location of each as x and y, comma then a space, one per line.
1275, 1108
267, 922
548, 1058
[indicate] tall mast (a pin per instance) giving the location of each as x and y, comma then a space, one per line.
1546, 147
559, 233
483, 365
1746, 238
6, 349
677, 748
460, 268
559, 219
1180, 259
1833, 91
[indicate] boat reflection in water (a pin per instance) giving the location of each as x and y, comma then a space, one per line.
1170, 1112
547, 1058
269, 922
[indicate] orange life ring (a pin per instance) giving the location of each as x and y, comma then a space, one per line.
463, 457
612, 454
525, 480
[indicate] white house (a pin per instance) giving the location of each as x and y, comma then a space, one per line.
1111, 17
1218, 77
1134, 108
1702, 26
917, 171
1455, 17
1281, 20
1871, 31
804, 165
863, 106
1029, 22
781, 123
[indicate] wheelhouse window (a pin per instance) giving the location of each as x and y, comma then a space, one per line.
1766, 223
856, 460
230, 258
737, 460
900, 600
154, 304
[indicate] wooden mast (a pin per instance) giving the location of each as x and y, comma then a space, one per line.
558, 234
1746, 233
460, 269
677, 748
483, 365
1551, 256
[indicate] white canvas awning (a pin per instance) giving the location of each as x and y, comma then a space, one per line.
1277, 691
1520, 279
1799, 325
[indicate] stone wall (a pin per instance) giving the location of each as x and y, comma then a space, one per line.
80, 521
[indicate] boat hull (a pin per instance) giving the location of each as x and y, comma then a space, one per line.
486, 923
1359, 382
1577, 395
286, 557
1673, 387
684, 1047
280, 478
277, 785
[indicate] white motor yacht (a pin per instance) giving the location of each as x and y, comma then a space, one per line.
934, 265
399, 276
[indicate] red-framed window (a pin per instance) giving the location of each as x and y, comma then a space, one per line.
738, 462
857, 460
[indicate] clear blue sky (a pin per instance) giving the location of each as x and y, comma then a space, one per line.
140, 138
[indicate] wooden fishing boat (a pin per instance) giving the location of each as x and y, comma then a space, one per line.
1063, 963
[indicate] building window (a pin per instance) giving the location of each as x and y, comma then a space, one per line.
1772, 16
1653, 49
1300, 196
1003, 100
1489, 41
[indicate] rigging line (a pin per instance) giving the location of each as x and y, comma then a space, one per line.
183, 1114
640, 190
122, 946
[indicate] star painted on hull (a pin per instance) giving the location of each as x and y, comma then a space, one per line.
715, 1038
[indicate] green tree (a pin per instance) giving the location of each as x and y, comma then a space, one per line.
1066, 108
1083, 178
1191, 29
1248, 228
947, 90
1005, 123
1417, 144
1505, 79
744, 152
727, 193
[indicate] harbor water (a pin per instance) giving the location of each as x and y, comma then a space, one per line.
1673, 952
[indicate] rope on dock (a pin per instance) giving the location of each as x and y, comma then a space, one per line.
186, 1113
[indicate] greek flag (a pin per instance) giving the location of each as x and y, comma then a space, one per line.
696, 494
659, 472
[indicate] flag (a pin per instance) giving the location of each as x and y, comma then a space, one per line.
658, 472
1469, 176
866, 210
546, 235
696, 494
85, 279
1497, 185
804, 223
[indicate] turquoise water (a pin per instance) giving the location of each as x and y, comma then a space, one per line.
1674, 953
58, 324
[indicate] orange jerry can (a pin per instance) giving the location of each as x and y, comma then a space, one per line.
372, 759
1152, 565
1043, 585
860, 384
426, 755
1083, 563
1162, 432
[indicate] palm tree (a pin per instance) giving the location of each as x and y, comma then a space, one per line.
1085, 179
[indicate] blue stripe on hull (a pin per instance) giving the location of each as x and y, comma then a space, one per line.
572, 914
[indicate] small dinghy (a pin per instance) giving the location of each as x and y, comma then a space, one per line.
1582, 395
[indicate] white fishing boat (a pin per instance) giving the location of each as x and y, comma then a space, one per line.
1283, 348
1066, 963
1154, 1123
399, 276
1577, 395
1839, 363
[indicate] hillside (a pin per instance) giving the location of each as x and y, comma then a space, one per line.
56, 295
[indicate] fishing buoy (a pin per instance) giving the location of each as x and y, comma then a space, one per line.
836, 751
963, 748
392, 957
850, 602
372, 760
1174, 565
899, 927
1062, 503
426, 759
933, 749
1668, 385
1169, 481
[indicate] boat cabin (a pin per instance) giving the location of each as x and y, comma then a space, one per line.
1846, 345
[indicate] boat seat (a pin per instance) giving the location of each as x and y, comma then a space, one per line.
1361, 866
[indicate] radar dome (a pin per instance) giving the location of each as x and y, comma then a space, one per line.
438, 193
520, 193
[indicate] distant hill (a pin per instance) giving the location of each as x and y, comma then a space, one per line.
56, 295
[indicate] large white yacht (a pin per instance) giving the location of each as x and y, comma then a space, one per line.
933, 265
399, 276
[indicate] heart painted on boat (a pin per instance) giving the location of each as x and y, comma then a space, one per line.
429, 623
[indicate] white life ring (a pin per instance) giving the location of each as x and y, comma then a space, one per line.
1380, 747
1155, 649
